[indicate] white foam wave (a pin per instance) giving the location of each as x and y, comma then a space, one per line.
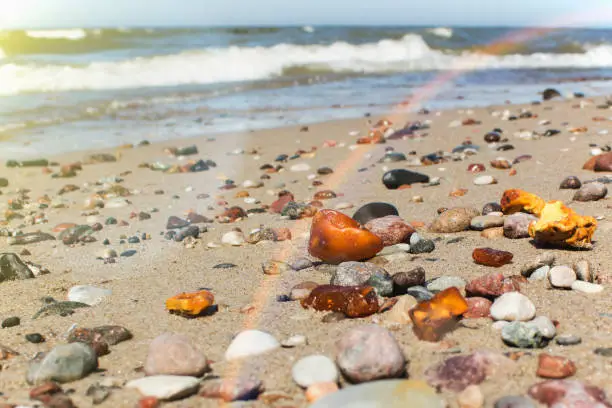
214, 65
308, 29
72, 34
444, 32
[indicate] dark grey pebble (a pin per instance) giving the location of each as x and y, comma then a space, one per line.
128, 253
224, 266
419, 293
301, 263
568, 340
11, 322
133, 240
422, 246
603, 351
374, 210
514, 401
35, 338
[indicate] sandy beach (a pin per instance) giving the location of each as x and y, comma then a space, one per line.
249, 299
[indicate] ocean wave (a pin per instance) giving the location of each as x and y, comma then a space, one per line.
71, 34
215, 65
444, 32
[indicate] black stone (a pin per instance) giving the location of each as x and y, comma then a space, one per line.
176, 222
374, 210
35, 338
550, 93
571, 182
224, 266
492, 137
491, 207
404, 280
399, 177
11, 322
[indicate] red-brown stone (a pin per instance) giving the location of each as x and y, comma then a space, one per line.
491, 286
556, 367
477, 307
491, 257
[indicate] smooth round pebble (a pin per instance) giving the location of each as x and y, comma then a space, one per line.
513, 306
586, 287
568, 340
561, 276
314, 369
249, 343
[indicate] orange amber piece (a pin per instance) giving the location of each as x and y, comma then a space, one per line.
516, 200
190, 304
491, 257
336, 238
353, 301
432, 319
324, 195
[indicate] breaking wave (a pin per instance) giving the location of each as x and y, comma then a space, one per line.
231, 64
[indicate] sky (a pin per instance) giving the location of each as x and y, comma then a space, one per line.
123, 13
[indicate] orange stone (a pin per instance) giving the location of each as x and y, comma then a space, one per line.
148, 402
336, 238
556, 367
242, 194
493, 233
433, 318
353, 301
491, 257
63, 226
318, 390
324, 195
190, 304
458, 193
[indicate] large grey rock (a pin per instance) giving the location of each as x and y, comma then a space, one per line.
13, 268
65, 363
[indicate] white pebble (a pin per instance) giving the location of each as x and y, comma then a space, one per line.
89, 295
294, 341
166, 387
314, 369
300, 167
251, 343
234, 238
562, 276
545, 326
484, 180
586, 287
513, 306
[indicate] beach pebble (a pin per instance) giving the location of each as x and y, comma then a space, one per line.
489, 208
232, 389
190, 231
393, 179
470, 397
483, 222
89, 295
491, 286
233, 238
516, 226
174, 354
493, 233
420, 293
561, 276
35, 338
545, 259
555, 367
12, 321
459, 372
453, 220
301, 263
445, 282
300, 167
477, 307
363, 273
523, 335
570, 183
586, 287
176, 223
314, 369
274, 267
484, 180
568, 340
404, 280
545, 326
514, 401
302, 290
387, 394
64, 363
250, 343
422, 246
591, 192
540, 274
399, 312
13, 268
513, 306
584, 271
568, 393
368, 353
391, 229
165, 387
295, 341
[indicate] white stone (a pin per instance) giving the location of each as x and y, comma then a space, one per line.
251, 184
545, 326
414, 238
587, 287
251, 343
561, 276
513, 306
540, 274
89, 295
234, 238
116, 202
314, 369
300, 167
294, 341
484, 180
166, 387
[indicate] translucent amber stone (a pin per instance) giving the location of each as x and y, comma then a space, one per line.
190, 304
434, 318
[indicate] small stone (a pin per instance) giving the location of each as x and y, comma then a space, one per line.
232, 389
523, 335
89, 295
491, 257
453, 220
274, 267
477, 307
516, 226
491, 208
491, 286
374, 210
249, 343
603, 351
399, 312
476, 168
571, 182
302, 290
514, 401
545, 326
404, 280
484, 180
368, 353
545, 259
562, 277
190, 231
568, 393
391, 229
11, 322
493, 233
592, 191
314, 369
363, 273
35, 338
393, 179
540, 274
568, 340
174, 354
353, 301
483, 222
295, 341
165, 387
64, 363
419, 293
445, 282
586, 287
89, 337
459, 372
513, 306
319, 390
584, 271
13, 268
470, 397
422, 246
301, 263
300, 167
233, 238
176, 223
555, 367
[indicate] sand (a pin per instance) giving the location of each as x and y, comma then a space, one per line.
161, 268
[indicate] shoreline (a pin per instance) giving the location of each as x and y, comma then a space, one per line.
160, 268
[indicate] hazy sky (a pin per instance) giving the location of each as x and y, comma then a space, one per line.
96, 13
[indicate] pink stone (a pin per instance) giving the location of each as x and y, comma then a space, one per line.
569, 393
478, 307
491, 286
391, 229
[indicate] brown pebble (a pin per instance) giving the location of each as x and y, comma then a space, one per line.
556, 367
